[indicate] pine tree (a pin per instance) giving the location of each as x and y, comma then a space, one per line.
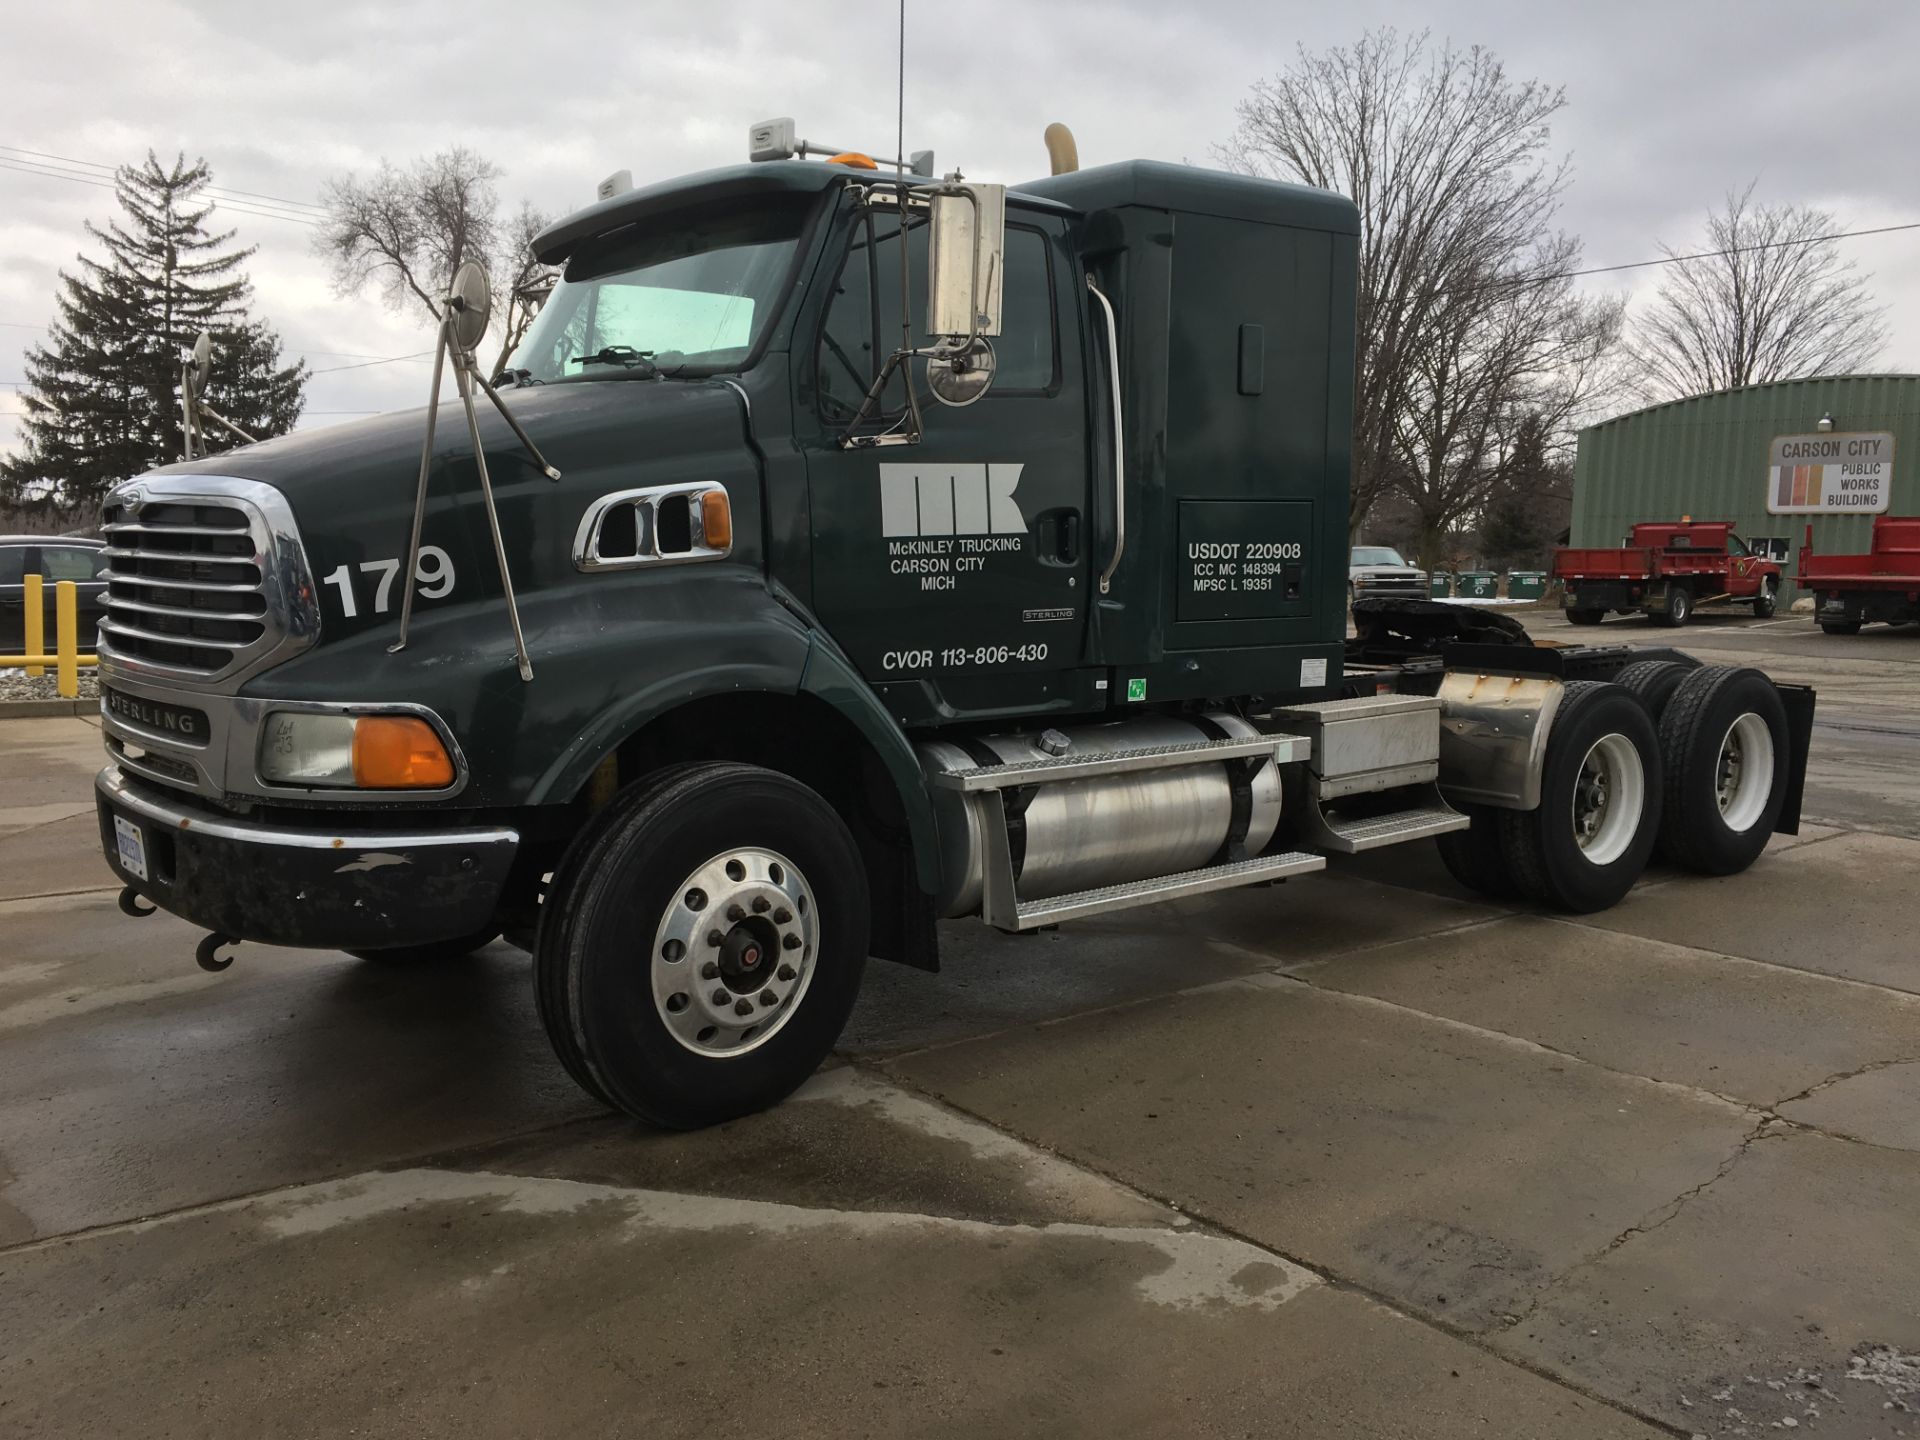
104, 401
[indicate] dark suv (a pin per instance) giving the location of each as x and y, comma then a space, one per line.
53, 558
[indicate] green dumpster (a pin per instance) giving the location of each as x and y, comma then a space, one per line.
1479, 584
1440, 585
1526, 584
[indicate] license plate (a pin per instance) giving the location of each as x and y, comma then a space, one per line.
133, 847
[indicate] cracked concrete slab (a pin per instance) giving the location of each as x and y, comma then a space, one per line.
50, 765
1455, 1171
846, 1140
161, 1086
1803, 1254
1846, 906
1880, 1106
1756, 1032
434, 1304
989, 981
55, 856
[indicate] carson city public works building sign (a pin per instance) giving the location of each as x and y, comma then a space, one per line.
1815, 474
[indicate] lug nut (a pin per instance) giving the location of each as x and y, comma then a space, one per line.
720, 998
783, 916
736, 914
790, 942
769, 999
709, 971
761, 904
715, 939
743, 1007
786, 972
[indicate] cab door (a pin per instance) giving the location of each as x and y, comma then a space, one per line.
953, 572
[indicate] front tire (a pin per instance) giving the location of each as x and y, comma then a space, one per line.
1585, 617
1590, 837
1723, 743
702, 943
1840, 627
1765, 603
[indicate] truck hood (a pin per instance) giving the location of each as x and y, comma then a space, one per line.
351, 487
1385, 572
580, 426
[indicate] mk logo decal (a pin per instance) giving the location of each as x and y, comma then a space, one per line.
950, 500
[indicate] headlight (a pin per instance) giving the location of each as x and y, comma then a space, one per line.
364, 752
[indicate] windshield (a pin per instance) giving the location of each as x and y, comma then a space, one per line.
1376, 555
696, 292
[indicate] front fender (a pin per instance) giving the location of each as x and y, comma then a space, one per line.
758, 645
830, 677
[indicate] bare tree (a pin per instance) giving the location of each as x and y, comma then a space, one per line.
409, 230
1771, 299
1500, 358
1449, 163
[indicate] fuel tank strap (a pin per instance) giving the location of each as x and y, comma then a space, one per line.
1240, 775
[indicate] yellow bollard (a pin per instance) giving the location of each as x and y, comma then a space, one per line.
66, 632
36, 623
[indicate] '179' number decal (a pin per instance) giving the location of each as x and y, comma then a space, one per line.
433, 575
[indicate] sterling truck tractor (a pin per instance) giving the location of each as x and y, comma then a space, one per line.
873, 550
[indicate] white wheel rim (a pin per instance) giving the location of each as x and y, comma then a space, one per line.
1609, 797
735, 952
1743, 772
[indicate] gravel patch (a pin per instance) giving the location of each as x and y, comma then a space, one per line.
16, 684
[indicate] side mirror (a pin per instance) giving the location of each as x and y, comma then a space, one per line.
965, 256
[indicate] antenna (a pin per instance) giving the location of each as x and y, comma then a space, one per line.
900, 114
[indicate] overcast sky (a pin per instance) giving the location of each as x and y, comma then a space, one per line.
1669, 105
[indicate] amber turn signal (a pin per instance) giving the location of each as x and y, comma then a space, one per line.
716, 520
399, 752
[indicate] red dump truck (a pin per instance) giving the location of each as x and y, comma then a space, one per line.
1882, 585
1664, 571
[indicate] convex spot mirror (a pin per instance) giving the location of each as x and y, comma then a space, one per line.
200, 364
470, 300
966, 247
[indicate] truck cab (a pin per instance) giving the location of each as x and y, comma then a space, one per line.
841, 619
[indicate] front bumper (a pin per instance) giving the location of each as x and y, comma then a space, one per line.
327, 889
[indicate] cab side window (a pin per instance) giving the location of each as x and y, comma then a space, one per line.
13, 564
71, 562
862, 325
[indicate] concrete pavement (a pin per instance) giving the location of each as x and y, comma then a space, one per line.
1357, 1155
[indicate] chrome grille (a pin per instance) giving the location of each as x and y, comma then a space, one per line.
205, 579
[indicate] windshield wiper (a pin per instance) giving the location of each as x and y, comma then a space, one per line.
624, 356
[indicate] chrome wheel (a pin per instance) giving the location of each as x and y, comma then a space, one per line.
734, 953
1743, 775
1609, 798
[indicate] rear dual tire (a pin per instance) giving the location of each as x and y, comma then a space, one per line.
1679, 608
1724, 750
1584, 845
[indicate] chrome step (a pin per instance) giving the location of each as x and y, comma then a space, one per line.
1349, 836
1031, 914
1282, 749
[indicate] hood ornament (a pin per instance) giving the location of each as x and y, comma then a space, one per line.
463, 325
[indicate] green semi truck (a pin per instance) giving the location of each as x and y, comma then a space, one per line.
919, 549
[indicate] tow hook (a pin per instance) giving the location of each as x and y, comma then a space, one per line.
130, 904
204, 956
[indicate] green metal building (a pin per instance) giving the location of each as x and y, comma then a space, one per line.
1710, 457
